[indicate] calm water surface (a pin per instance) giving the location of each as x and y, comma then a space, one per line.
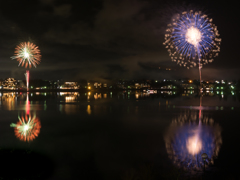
120, 135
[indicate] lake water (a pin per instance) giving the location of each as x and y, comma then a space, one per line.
119, 135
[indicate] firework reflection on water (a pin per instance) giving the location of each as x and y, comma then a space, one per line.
27, 128
188, 137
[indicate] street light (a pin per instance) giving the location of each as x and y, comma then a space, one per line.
204, 157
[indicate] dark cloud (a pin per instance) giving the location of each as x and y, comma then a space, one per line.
47, 2
115, 68
63, 10
149, 67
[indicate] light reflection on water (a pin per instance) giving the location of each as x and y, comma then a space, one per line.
119, 128
89, 109
186, 140
15, 100
8, 100
189, 136
28, 127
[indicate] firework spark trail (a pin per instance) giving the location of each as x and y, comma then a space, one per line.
27, 53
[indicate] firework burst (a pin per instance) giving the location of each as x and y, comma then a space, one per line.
27, 128
27, 54
192, 39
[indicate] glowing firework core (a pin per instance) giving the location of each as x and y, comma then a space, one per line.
26, 127
194, 145
193, 36
26, 54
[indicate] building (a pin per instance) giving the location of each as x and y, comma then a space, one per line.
69, 85
189, 86
97, 85
9, 83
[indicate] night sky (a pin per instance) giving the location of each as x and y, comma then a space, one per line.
110, 39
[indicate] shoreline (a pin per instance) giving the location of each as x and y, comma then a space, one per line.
112, 90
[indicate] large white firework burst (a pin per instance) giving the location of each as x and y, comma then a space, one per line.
192, 39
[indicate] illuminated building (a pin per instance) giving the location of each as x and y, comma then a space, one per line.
9, 83
137, 86
145, 85
167, 87
189, 86
70, 85
97, 85
208, 86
